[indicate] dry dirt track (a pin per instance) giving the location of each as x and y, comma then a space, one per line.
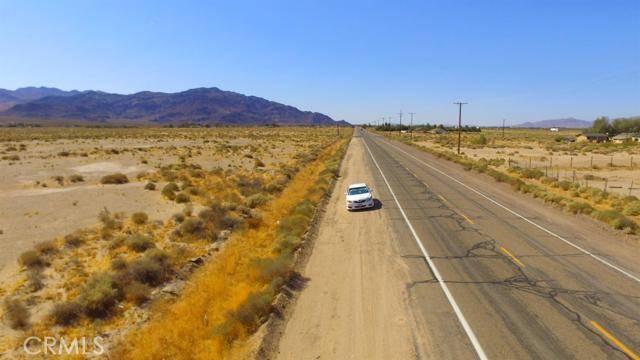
523, 292
355, 306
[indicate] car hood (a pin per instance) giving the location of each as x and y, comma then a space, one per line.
358, 197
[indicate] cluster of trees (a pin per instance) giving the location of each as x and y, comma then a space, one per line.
424, 127
603, 125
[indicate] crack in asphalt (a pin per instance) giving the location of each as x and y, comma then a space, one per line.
521, 281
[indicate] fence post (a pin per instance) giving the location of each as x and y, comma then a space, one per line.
591, 163
630, 187
571, 162
529, 162
574, 176
631, 162
606, 181
557, 173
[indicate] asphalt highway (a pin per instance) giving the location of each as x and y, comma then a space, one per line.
496, 274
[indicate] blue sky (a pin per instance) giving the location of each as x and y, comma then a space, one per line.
359, 61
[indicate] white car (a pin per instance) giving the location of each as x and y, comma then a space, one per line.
359, 196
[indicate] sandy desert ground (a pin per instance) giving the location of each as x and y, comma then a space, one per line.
54, 199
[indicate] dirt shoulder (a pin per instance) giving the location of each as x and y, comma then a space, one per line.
355, 304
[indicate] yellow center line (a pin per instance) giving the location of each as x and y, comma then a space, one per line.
466, 217
457, 211
509, 254
617, 342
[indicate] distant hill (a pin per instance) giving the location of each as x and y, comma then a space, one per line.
9, 98
206, 106
570, 123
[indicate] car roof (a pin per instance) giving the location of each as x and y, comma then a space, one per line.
358, 185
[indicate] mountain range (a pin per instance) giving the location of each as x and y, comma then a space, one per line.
204, 106
8, 98
570, 123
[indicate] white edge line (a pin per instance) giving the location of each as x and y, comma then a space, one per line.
598, 258
436, 273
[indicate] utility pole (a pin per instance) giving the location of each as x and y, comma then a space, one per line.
459, 122
400, 114
411, 126
503, 128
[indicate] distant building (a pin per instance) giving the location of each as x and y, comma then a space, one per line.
438, 131
553, 129
598, 138
624, 137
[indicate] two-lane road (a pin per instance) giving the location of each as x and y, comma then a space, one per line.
480, 271
524, 286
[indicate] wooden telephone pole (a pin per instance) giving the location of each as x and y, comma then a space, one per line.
459, 122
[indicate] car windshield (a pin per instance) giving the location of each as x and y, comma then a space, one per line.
358, 191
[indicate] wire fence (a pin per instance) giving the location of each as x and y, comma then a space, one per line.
584, 170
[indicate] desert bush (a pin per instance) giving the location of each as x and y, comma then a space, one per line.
64, 153
178, 217
59, 179
258, 163
31, 259
46, 247
624, 223
632, 209
137, 292
150, 186
140, 243
34, 280
564, 184
305, 208
118, 264
74, 239
256, 306
169, 190
118, 178
16, 314
228, 222
107, 219
76, 178
295, 225
256, 200
99, 296
139, 218
532, 173
480, 140
576, 207
66, 313
153, 268
182, 198
270, 268
192, 226
274, 187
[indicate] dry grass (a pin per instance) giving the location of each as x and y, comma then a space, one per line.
107, 271
225, 301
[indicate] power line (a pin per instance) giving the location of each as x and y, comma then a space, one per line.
400, 114
459, 122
